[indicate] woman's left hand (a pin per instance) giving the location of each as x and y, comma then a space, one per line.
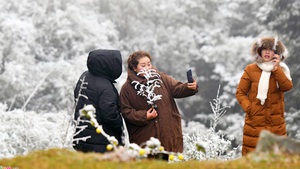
192, 86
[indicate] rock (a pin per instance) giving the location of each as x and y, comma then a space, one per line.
269, 142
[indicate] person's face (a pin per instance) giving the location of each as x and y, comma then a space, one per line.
144, 63
267, 55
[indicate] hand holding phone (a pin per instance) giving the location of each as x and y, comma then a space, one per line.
189, 76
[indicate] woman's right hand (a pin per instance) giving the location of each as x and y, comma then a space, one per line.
276, 60
151, 113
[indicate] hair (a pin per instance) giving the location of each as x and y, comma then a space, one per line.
271, 43
133, 59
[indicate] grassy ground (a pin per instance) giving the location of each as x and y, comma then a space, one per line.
65, 159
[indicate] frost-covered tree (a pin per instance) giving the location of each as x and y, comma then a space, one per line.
44, 45
26, 131
38, 37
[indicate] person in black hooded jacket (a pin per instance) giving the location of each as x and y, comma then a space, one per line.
104, 67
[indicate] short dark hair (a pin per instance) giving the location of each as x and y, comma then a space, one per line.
133, 59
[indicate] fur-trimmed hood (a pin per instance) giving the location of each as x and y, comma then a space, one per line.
268, 43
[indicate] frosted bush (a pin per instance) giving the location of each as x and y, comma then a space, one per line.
215, 145
25, 131
3, 107
208, 143
293, 123
193, 127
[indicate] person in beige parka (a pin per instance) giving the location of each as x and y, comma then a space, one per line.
260, 91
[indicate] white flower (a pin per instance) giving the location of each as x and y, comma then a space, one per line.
89, 108
113, 140
201, 145
153, 143
87, 111
134, 146
94, 123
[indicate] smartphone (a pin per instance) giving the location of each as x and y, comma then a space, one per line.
189, 76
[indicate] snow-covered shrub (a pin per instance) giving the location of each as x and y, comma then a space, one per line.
207, 143
215, 144
293, 123
25, 131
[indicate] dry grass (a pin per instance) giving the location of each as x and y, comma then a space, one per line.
66, 159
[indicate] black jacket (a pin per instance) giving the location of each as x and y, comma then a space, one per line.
104, 67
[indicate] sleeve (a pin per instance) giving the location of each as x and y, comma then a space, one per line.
177, 88
242, 92
136, 117
285, 84
110, 109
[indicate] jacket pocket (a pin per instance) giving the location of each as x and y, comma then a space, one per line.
248, 110
256, 109
250, 115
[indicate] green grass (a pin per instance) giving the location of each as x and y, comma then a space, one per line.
66, 159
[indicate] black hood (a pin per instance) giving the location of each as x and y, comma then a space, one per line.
107, 63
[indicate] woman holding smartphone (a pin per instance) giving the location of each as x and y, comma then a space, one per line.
260, 91
162, 121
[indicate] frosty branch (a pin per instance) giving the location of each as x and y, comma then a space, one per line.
90, 112
131, 150
80, 90
79, 120
147, 90
218, 111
